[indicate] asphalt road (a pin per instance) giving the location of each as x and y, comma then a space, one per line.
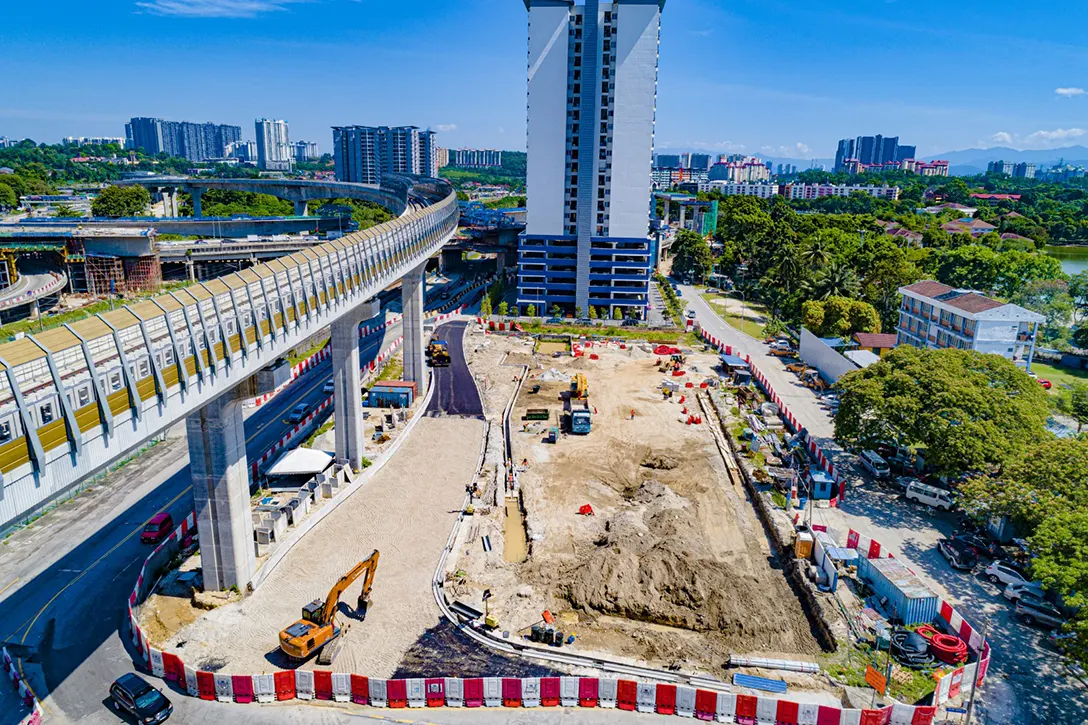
1025, 684
455, 390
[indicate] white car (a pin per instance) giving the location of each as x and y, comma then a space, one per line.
1001, 572
329, 386
1015, 591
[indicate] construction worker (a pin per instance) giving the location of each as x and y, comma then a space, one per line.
632, 413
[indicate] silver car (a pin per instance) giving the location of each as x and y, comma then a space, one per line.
1016, 590
1034, 610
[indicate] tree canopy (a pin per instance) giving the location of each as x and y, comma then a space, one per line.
839, 317
691, 255
968, 410
121, 201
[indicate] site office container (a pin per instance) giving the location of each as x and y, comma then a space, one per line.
909, 600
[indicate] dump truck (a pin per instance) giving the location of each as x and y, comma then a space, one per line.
438, 354
580, 422
318, 627
579, 387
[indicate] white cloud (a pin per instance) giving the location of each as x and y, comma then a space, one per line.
1002, 137
446, 127
797, 150
1069, 92
214, 8
1058, 134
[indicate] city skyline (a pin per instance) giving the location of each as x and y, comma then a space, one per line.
1038, 103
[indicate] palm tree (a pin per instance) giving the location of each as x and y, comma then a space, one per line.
818, 251
838, 279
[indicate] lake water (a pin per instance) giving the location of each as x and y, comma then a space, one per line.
1074, 259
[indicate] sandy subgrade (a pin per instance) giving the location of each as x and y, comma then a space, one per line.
673, 567
406, 512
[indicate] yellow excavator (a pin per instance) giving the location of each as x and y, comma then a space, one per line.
318, 627
579, 387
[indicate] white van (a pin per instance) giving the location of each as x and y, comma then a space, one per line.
874, 464
936, 497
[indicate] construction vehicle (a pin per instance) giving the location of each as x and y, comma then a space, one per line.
580, 422
579, 387
318, 627
797, 367
438, 354
811, 379
781, 348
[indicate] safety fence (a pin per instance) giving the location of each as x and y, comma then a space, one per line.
25, 693
303, 425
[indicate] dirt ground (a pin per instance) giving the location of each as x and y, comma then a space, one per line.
406, 512
674, 567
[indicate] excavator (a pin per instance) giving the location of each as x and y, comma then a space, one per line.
318, 627
579, 387
438, 354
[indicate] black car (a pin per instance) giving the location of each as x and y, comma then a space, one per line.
959, 554
981, 545
133, 694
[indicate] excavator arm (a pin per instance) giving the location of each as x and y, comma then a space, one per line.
367, 567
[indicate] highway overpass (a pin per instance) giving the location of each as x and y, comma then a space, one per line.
78, 397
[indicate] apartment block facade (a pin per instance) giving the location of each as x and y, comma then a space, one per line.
362, 154
192, 141
935, 315
592, 98
274, 150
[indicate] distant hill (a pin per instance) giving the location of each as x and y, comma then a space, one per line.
974, 161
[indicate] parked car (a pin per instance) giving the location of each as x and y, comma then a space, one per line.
1034, 610
904, 482
157, 529
630, 322
936, 497
874, 464
1058, 639
1046, 383
1018, 590
1003, 572
982, 545
691, 314
329, 386
298, 413
133, 694
958, 554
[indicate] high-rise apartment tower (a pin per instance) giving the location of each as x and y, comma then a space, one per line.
274, 151
592, 96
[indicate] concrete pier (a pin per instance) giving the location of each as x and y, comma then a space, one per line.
411, 298
220, 478
348, 422
300, 208
198, 210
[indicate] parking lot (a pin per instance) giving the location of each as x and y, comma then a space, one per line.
1027, 682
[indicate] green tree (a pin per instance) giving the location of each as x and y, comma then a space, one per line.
63, 211
691, 255
485, 306
8, 198
1078, 404
617, 313
839, 317
578, 312
1051, 299
557, 311
969, 410
1060, 550
121, 201
1078, 291
592, 312
504, 308
530, 310
971, 266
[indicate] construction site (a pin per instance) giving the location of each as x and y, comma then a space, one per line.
624, 534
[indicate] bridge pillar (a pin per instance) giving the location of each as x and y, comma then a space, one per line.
348, 421
666, 210
683, 215
198, 210
300, 209
411, 300
220, 477
500, 262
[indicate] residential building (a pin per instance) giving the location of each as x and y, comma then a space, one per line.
699, 162
476, 158
668, 161
592, 92
881, 152
932, 168
243, 151
964, 211
7, 143
192, 141
93, 141
974, 227
363, 154
305, 151
274, 152
441, 157
876, 342
906, 152
818, 191
1024, 170
934, 315
732, 188
671, 178
1000, 167
748, 170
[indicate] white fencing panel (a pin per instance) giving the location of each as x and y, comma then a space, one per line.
157, 667
264, 688
727, 707
568, 691
492, 691
455, 692
341, 687
902, 714
190, 682
606, 692
417, 692
807, 713
379, 695
304, 684
224, 688
850, 717
647, 697
685, 701
530, 692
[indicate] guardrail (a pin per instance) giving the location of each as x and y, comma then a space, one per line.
57, 282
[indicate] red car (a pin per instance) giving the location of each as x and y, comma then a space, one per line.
157, 529
1046, 383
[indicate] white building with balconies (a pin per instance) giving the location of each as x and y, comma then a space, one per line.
934, 315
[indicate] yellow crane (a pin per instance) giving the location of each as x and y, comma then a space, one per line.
318, 626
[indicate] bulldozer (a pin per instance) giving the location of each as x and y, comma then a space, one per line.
318, 630
579, 387
811, 379
438, 354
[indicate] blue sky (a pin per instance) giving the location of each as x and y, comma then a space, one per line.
773, 77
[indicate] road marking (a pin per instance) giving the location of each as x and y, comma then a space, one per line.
10, 584
75, 579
